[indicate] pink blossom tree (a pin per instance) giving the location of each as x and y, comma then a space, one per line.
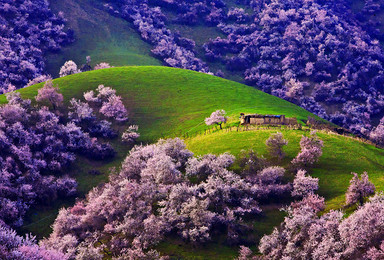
114, 108
311, 150
304, 185
376, 253
131, 134
217, 118
39, 79
151, 197
102, 65
15, 247
305, 234
51, 94
68, 68
377, 135
275, 144
359, 189
245, 254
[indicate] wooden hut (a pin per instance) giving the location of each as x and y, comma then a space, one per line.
257, 119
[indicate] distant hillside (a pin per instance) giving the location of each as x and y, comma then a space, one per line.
100, 35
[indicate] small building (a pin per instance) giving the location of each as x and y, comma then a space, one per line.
257, 119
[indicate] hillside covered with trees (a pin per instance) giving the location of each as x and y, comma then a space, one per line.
198, 129
217, 190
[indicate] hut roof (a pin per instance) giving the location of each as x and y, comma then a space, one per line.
263, 116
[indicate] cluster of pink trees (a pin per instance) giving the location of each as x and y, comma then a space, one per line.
49, 93
28, 30
111, 105
15, 247
283, 47
311, 150
306, 235
162, 190
38, 144
70, 67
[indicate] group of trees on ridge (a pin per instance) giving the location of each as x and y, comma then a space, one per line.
39, 143
28, 29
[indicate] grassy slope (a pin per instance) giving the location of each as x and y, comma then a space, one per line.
341, 156
164, 102
100, 35
169, 102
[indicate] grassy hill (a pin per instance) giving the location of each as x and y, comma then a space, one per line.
164, 102
168, 102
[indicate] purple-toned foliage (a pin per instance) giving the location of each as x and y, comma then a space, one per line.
131, 134
15, 247
216, 118
311, 150
309, 52
376, 253
39, 79
114, 108
268, 183
37, 146
246, 254
359, 189
69, 68
162, 189
102, 65
306, 235
28, 30
275, 144
377, 135
322, 55
49, 93
108, 103
304, 185
150, 23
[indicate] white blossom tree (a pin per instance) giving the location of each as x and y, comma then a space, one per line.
218, 117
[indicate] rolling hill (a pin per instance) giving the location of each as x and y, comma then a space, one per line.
167, 102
